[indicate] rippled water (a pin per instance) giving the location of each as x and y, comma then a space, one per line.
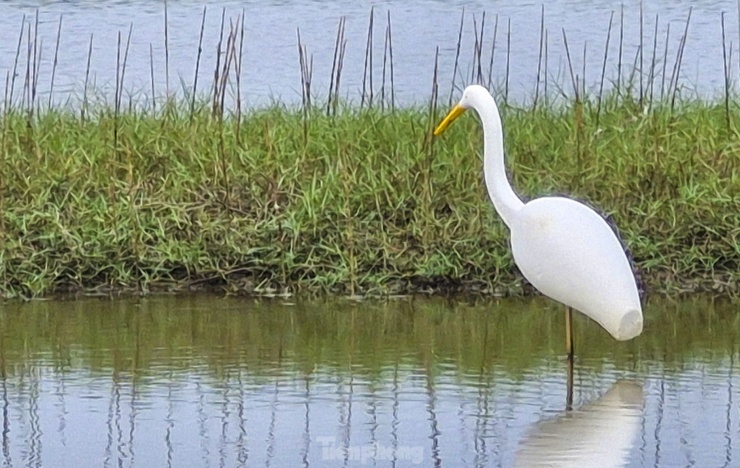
271, 65
208, 381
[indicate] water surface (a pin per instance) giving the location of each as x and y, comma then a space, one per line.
210, 381
271, 66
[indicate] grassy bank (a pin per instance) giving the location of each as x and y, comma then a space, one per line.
362, 202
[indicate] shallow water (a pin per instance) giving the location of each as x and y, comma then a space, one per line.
271, 64
209, 381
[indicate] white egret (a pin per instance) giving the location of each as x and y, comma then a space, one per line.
562, 247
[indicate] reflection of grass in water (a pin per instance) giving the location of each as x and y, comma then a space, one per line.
368, 339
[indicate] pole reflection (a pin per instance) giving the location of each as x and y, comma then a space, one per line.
274, 387
306, 449
433, 425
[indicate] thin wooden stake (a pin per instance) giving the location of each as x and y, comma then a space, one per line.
621, 45
151, 78
166, 52
539, 57
680, 58
54, 65
651, 75
197, 62
493, 53
570, 66
603, 68
726, 74
665, 61
642, 35
367, 78
87, 79
17, 56
457, 56
508, 63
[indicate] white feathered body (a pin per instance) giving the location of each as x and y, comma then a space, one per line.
569, 253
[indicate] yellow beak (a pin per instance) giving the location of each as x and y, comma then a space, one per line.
447, 121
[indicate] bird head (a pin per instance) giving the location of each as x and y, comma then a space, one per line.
472, 95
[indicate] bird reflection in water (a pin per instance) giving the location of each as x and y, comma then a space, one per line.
600, 433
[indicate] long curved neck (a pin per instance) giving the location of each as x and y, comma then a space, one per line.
504, 199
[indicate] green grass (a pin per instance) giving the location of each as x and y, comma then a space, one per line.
359, 203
